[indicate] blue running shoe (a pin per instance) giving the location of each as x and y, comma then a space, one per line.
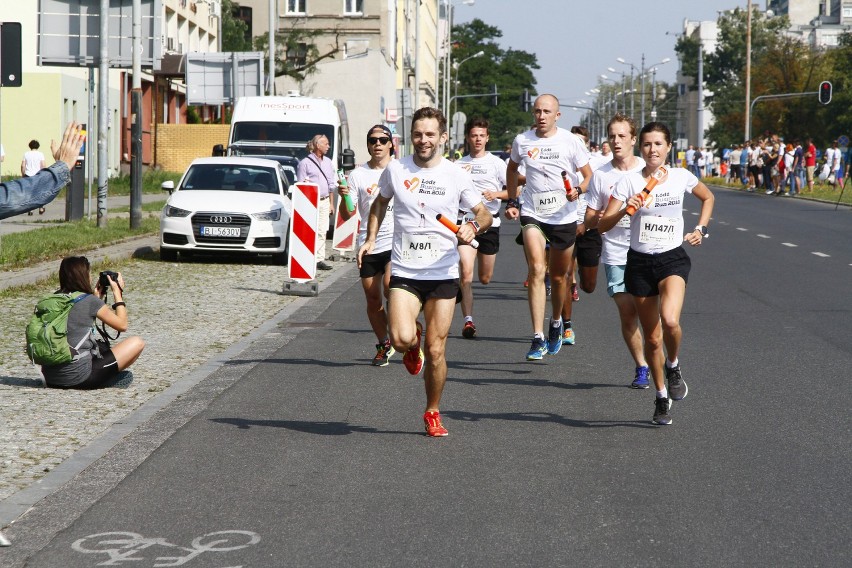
554, 338
537, 349
641, 381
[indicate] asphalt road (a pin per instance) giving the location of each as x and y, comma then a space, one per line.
299, 453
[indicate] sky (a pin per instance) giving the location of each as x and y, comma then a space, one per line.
576, 40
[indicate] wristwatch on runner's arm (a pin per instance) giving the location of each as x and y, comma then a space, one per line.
475, 226
703, 230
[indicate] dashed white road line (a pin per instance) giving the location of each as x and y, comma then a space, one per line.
742, 229
789, 245
821, 254
762, 236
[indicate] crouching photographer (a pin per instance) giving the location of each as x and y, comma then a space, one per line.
94, 364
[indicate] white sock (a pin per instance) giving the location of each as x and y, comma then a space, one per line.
468, 318
555, 322
663, 393
539, 335
672, 364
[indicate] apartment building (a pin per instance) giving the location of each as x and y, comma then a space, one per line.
375, 48
52, 95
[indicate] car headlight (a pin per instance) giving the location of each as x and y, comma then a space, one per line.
274, 215
176, 212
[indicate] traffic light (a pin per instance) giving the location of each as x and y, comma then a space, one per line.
526, 102
825, 92
10, 54
494, 95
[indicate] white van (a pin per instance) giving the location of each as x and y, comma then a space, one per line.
274, 127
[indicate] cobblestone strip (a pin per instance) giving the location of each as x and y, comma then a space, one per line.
186, 312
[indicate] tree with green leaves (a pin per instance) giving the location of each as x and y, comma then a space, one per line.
235, 32
297, 53
780, 64
509, 69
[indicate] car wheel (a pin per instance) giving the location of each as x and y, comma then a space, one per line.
168, 255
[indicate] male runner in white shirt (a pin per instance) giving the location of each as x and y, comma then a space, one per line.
424, 254
489, 178
621, 132
548, 213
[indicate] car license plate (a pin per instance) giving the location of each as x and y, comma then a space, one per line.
220, 231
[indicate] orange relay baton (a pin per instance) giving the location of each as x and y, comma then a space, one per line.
454, 228
649, 187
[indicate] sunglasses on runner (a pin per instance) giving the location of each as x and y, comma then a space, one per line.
379, 140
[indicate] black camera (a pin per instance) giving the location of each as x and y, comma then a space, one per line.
103, 281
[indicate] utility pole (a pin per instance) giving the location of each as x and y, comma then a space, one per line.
103, 114
273, 23
700, 142
136, 121
748, 72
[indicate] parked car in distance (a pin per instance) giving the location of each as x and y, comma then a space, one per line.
232, 205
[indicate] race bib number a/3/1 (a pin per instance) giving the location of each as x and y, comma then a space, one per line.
420, 250
548, 203
659, 231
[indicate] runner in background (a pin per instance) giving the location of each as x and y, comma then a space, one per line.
657, 265
424, 253
374, 269
489, 178
621, 131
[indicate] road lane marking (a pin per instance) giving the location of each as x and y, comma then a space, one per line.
762, 236
742, 229
789, 245
821, 254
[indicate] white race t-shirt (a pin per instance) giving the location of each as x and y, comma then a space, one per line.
489, 174
364, 188
597, 161
32, 162
616, 241
658, 225
422, 247
545, 159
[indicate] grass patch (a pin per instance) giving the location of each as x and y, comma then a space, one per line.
23, 249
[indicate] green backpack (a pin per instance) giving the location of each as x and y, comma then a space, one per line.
47, 331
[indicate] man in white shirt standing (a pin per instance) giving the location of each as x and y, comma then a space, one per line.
552, 157
424, 252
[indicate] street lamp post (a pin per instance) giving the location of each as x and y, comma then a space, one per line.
632, 90
653, 68
448, 52
456, 67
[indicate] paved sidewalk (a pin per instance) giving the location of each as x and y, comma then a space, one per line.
187, 312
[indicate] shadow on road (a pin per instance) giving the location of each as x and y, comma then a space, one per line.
545, 417
322, 428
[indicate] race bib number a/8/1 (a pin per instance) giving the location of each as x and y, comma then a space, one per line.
420, 250
659, 231
548, 203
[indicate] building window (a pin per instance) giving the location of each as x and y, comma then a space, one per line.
297, 7
297, 57
353, 7
847, 12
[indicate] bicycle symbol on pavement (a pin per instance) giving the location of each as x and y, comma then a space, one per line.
128, 546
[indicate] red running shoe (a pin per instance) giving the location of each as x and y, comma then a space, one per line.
413, 358
469, 330
434, 428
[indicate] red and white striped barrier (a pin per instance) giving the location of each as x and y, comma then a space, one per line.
343, 239
302, 264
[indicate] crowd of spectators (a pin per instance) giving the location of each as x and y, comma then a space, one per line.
779, 167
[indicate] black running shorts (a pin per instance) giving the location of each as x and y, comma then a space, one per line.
489, 241
645, 271
426, 289
372, 264
588, 249
560, 237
